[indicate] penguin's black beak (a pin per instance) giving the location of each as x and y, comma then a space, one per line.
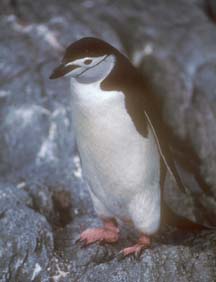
62, 70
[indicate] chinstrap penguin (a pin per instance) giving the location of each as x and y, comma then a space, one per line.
121, 141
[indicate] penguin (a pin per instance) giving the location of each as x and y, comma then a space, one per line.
122, 143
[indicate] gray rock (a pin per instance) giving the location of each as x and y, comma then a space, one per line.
26, 240
23, 130
173, 257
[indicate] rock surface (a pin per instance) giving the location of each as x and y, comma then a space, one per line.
26, 239
44, 203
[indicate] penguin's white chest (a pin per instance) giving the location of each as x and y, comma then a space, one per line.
121, 166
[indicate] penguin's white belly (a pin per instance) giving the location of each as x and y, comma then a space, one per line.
121, 166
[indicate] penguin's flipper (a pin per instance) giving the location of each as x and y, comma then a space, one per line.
166, 155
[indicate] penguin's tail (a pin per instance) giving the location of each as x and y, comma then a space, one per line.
180, 222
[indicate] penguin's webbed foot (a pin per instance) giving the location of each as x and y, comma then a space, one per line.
107, 234
143, 243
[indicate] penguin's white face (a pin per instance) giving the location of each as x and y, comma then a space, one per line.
86, 70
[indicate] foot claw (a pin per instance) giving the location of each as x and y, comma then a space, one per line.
81, 242
77, 241
138, 254
120, 256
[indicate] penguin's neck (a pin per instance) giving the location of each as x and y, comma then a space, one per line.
86, 93
90, 98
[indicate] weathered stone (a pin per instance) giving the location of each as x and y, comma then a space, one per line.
26, 240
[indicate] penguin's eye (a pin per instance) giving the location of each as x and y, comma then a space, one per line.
87, 62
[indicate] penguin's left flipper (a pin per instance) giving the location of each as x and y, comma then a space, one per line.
165, 154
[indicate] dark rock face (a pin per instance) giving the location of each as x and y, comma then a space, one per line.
44, 203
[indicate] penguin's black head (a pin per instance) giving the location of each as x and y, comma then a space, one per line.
87, 60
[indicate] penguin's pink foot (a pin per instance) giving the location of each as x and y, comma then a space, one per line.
107, 234
143, 243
